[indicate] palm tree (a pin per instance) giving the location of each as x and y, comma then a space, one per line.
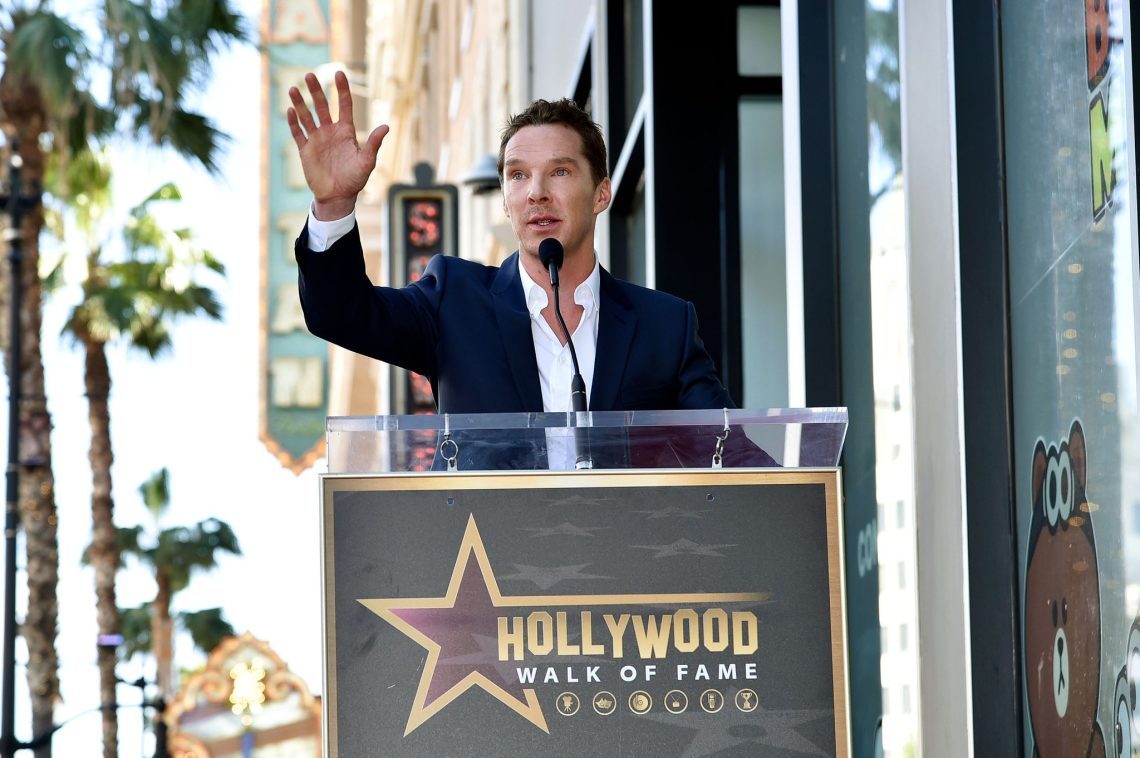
174, 554
132, 298
152, 55
207, 629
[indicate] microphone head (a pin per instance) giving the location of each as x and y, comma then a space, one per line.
550, 251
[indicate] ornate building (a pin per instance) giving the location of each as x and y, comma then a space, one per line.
244, 702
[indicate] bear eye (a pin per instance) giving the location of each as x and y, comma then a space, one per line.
1064, 611
1050, 493
1065, 485
1053, 607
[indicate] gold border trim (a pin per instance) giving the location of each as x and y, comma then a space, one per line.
830, 478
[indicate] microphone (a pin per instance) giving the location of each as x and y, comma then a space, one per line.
551, 253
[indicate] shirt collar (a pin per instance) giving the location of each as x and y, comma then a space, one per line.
586, 294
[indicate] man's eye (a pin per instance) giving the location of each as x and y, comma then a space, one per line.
561, 172
517, 175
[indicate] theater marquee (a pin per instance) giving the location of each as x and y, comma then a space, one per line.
623, 613
293, 364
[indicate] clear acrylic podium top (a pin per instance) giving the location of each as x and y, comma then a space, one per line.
784, 437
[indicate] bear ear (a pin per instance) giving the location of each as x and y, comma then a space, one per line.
1040, 462
1077, 451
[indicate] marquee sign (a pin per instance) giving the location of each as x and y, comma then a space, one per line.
423, 221
293, 364
673, 613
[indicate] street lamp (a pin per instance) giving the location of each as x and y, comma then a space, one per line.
16, 204
483, 176
159, 705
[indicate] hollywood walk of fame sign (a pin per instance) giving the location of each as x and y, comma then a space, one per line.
582, 614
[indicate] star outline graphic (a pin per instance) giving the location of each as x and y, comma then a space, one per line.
471, 545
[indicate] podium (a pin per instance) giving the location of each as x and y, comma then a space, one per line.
683, 597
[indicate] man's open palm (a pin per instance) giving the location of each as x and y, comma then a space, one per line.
336, 167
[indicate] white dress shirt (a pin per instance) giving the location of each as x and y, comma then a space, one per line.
555, 369
322, 234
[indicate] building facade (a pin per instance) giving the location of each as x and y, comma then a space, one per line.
933, 224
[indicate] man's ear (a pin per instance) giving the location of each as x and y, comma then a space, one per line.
602, 195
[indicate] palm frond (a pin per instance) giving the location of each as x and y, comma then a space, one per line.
134, 625
52, 281
168, 191
47, 51
202, 300
207, 627
208, 25
144, 60
183, 549
81, 183
89, 120
212, 263
128, 539
152, 337
191, 135
144, 230
155, 491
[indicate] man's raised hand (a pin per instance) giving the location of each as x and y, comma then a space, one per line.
336, 167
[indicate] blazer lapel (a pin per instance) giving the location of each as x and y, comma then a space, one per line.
615, 338
514, 330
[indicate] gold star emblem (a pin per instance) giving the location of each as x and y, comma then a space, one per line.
447, 627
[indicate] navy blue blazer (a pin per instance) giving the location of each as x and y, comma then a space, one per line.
465, 326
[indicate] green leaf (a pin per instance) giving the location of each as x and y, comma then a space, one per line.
191, 135
155, 491
50, 53
208, 628
134, 625
128, 538
168, 191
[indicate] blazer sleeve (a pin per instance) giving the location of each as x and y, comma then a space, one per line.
698, 385
341, 305
702, 388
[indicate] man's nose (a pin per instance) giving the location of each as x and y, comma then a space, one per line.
536, 191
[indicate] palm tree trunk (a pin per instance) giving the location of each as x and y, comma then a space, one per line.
162, 635
104, 545
23, 106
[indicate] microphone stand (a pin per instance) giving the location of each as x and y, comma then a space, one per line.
583, 459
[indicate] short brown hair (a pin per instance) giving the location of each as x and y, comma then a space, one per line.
566, 113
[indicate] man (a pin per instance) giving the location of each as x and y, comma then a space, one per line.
487, 338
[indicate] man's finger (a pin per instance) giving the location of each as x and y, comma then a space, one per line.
375, 139
344, 98
295, 128
302, 110
320, 104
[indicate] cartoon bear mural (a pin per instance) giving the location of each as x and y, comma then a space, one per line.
1062, 606
1125, 703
